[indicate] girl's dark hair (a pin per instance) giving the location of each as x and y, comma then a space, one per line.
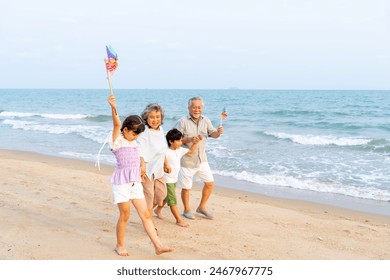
152, 107
173, 135
134, 123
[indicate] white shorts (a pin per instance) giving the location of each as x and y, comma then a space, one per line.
126, 192
186, 175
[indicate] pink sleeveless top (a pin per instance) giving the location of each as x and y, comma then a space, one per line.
128, 164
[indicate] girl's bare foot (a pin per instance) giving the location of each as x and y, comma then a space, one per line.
121, 251
157, 211
162, 250
182, 223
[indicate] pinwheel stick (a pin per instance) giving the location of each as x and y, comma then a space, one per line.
109, 82
108, 77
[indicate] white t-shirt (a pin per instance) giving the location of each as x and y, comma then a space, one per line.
153, 147
173, 157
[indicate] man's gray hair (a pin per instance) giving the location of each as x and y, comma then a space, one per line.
193, 99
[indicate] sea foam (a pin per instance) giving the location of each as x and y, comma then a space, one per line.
43, 115
320, 139
95, 133
309, 184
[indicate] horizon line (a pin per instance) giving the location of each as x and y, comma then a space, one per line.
231, 88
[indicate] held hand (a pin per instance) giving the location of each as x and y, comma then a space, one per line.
143, 173
220, 129
111, 101
167, 168
196, 139
143, 178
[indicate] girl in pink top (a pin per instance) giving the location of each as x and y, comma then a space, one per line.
126, 180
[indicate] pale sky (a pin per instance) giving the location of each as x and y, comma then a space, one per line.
196, 44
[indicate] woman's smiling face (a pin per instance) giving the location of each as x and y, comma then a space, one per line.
154, 119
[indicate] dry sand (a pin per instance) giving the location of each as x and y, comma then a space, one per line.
61, 209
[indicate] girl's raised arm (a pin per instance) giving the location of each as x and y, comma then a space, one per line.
116, 122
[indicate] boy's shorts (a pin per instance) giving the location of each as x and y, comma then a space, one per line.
126, 192
186, 175
171, 194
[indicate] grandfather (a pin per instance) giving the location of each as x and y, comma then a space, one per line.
196, 126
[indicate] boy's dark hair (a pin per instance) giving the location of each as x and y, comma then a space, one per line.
134, 123
172, 135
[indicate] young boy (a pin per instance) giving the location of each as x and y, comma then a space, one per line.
173, 156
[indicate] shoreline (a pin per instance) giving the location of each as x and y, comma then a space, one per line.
61, 208
329, 199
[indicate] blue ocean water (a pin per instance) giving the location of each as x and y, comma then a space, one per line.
331, 144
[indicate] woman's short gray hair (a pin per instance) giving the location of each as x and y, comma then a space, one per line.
152, 107
193, 99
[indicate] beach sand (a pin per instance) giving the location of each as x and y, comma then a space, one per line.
61, 209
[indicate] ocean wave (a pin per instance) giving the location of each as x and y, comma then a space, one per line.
100, 118
320, 139
172, 118
378, 146
290, 113
43, 115
340, 125
385, 127
94, 133
309, 184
